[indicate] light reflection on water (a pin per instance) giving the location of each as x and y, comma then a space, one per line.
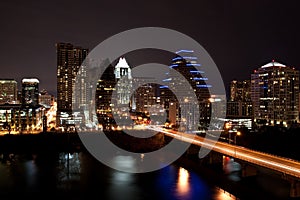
183, 183
80, 173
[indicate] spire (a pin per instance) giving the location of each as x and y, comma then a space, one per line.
122, 63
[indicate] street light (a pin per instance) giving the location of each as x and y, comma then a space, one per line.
228, 126
238, 133
229, 136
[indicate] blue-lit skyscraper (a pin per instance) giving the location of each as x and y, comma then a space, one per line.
187, 65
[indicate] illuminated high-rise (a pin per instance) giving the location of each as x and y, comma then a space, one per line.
122, 99
240, 90
239, 104
145, 96
113, 94
8, 91
69, 61
275, 94
30, 91
105, 87
184, 73
124, 82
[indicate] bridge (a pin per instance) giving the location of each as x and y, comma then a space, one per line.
288, 168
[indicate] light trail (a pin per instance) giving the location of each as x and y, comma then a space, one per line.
277, 163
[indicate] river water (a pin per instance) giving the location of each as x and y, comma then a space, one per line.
80, 176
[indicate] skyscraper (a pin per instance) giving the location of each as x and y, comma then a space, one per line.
186, 64
69, 61
105, 87
30, 91
145, 96
122, 99
124, 82
275, 94
239, 104
240, 90
30, 114
113, 94
8, 91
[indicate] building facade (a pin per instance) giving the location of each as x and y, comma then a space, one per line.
30, 92
15, 118
146, 94
239, 105
185, 64
240, 90
8, 91
122, 97
124, 82
69, 62
275, 94
105, 87
24, 117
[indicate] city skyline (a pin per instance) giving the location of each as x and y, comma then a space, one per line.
240, 37
54, 93
75, 125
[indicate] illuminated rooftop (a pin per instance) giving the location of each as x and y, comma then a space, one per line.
273, 64
122, 63
2, 81
30, 80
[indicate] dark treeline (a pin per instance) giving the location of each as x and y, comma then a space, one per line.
43, 142
274, 140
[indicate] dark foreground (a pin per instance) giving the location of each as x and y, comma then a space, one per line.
45, 149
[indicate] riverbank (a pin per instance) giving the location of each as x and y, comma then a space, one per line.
70, 142
42, 142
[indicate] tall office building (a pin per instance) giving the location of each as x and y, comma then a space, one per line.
69, 61
275, 94
30, 114
240, 90
145, 96
113, 94
105, 87
124, 82
122, 101
80, 94
30, 91
24, 116
8, 91
240, 104
185, 63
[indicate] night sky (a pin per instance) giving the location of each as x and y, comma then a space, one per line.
239, 35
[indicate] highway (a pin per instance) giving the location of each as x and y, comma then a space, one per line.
280, 164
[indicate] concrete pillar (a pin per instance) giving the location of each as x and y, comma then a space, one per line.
159, 139
295, 188
215, 158
248, 170
193, 150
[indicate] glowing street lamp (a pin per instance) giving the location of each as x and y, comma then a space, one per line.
228, 129
238, 133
